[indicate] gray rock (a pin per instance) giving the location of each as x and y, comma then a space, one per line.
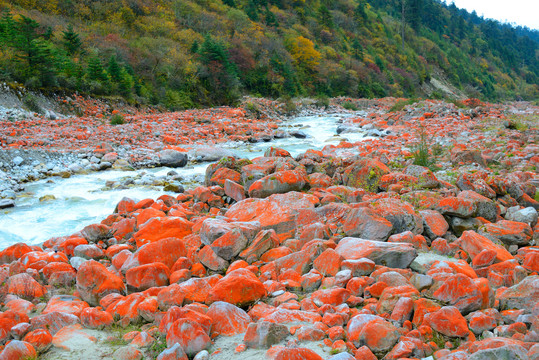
507, 352
17, 160
527, 215
76, 262
342, 356
264, 334
394, 255
172, 158
6, 203
420, 281
203, 355
523, 295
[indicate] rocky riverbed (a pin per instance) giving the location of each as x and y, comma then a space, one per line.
419, 241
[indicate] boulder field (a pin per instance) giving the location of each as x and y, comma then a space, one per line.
349, 252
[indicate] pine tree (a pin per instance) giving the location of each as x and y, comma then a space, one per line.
230, 3
95, 70
71, 41
325, 17
114, 69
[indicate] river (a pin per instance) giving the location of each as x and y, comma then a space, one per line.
80, 201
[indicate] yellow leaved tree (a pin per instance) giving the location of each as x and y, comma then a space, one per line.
304, 53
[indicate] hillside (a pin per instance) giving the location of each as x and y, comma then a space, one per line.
184, 54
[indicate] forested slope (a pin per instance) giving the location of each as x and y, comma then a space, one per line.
182, 53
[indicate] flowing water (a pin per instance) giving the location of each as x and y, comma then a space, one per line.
80, 200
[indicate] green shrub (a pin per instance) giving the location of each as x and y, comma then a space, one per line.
117, 119
31, 103
322, 101
348, 105
399, 105
421, 151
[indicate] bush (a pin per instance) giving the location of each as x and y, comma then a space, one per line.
31, 103
399, 105
322, 101
348, 105
289, 105
116, 119
421, 151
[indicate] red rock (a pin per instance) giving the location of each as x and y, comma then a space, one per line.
434, 223
480, 322
166, 251
40, 339
309, 333
335, 296
71, 243
147, 214
239, 287
297, 354
20, 306
94, 318
264, 240
234, 190
157, 229
282, 316
447, 321
96, 232
366, 223
473, 244
53, 322
278, 182
401, 215
364, 353
454, 206
276, 212
510, 232
66, 304
146, 276
328, 263
94, 282
24, 286
365, 173
190, 335
14, 252
378, 335
391, 295
227, 319
198, 290
230, 244
222, 174
126, 309
461, 292
18, 350
211, 260
485, 258
275, 253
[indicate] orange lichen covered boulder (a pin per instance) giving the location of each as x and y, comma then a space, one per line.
239, 287
227, 319
94, 282
190, 335
156, 229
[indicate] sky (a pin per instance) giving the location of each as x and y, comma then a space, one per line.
520, 12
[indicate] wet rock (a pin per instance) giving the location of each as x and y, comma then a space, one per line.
172, 158
6, 203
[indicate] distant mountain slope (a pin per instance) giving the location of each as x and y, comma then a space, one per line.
183, 53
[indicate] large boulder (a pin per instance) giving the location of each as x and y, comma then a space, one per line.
95, 281
393, 255
172, 158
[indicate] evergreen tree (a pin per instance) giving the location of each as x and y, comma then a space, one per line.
114, 69
71, 41
95, 70
25, 40
324, 16
359, 13
230, 3
358, 49
271, 20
